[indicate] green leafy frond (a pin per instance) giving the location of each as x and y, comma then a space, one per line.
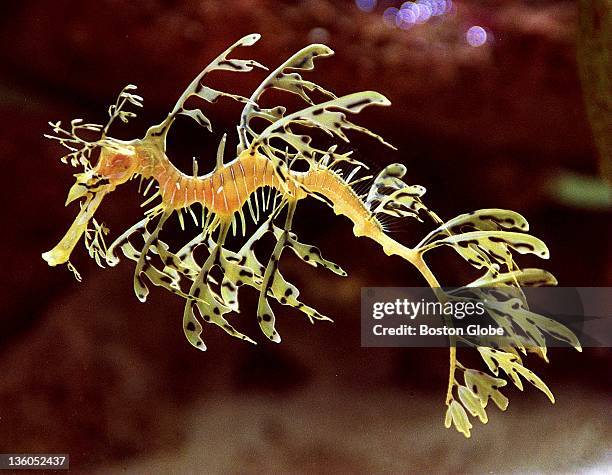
522, 277
455, 414
530, 323
486, 239
486, 248
323, 117
80, 148
309, 254
117, 110
286, 81
510, 364
486, 387
197, 89
390, 195
481, 220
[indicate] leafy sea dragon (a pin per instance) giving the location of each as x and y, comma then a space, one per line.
264, 178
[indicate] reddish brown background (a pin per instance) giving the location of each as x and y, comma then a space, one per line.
85, 369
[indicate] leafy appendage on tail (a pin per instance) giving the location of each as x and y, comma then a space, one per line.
486, 239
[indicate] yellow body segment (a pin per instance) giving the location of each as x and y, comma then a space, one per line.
224, 191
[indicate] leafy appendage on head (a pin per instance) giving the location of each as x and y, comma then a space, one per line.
117, 110
80, 148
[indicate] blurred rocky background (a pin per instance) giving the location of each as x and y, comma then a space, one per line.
488, 111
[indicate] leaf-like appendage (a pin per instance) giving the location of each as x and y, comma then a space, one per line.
486, 387
321, 116
553, 328
511, 365
211, 95
532, 324
535, 380
210, 305
523, 277
481, 220
236, 274
309, 254
403, 203
279, 79
173, 264
472, 403
199, 117
486, 248
390, 195
193, 328
116, 110
456, 415
387, 181
267, 320
196, 88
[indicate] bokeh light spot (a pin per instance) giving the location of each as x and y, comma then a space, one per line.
407, 16
476, 36
425, 11
318, 35
366, 5
389, 16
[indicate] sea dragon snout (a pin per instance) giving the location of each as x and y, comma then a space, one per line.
61, 252
115, 166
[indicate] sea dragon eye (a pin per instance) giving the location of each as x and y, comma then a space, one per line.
276, 168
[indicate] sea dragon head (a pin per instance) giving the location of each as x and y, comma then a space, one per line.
117, 162
114, 168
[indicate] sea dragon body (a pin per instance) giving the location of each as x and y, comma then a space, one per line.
485, 238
